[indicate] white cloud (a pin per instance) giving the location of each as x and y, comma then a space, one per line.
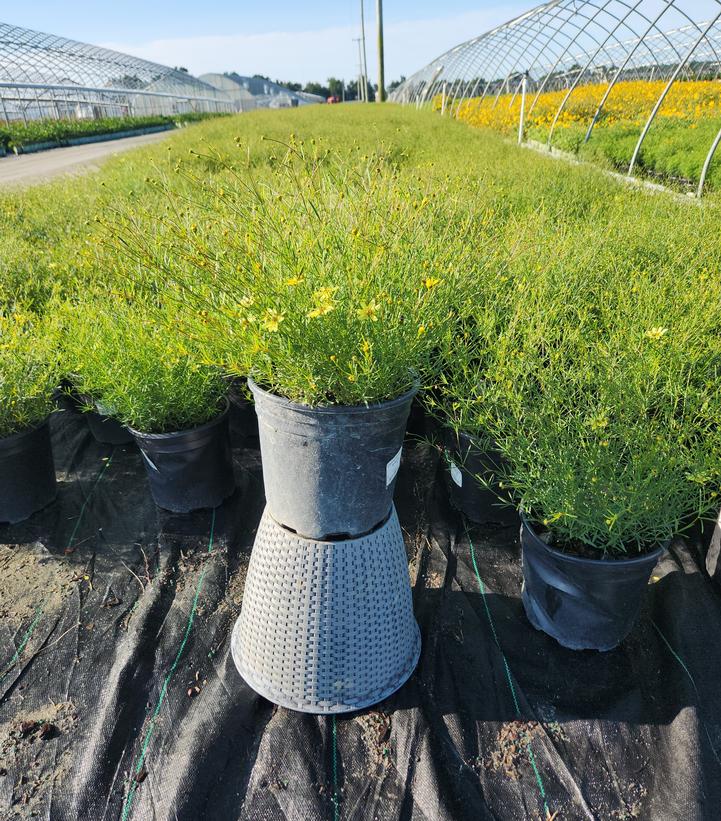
318, 54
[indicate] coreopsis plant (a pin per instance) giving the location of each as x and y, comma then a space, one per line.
329, 282
603, 449
133, 367
28, 369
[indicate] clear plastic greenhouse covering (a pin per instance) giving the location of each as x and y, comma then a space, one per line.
249, 93
44, 76
119, 699
566, 44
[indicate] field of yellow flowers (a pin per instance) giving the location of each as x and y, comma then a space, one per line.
675, 148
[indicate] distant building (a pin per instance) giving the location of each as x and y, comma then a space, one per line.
248, 93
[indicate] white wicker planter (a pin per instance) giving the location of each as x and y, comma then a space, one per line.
326, 627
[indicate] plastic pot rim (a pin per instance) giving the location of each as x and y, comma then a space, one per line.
460, 434
454, 445
161, 437
9, 442
558, 555
281, 401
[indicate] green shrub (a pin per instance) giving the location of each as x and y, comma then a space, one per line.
29, 367
18, 135
136, 369
337, 287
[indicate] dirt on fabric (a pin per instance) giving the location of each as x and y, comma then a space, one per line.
29, 575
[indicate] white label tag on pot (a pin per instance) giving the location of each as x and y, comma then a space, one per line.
392, 467
456, 474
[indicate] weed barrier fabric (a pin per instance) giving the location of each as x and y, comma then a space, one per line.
119, 700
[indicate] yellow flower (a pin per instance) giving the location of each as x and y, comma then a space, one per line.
366, 347
656, 333
598, 422
324, 302
369, 311
325, 293
351, 377
293, 281
431, 282
272, 319
421, 330
321, 310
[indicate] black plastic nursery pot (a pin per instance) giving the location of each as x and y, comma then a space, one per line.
420, 425
27, 473
242, 419
189, 469
104, 428
465, 461
329, 472
108, 431
585, 604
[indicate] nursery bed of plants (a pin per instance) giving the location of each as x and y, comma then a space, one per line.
674, 150
561, 333
19, 136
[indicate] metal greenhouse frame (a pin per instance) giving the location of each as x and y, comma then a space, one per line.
44, 76
563, 44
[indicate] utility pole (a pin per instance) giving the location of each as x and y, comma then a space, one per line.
365, 63
360, 70
381, 96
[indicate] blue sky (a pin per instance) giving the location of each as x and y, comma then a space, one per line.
291, 40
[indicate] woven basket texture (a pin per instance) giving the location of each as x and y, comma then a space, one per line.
326, 627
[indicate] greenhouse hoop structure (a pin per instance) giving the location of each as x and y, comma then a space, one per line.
43, 76
565, 44
249, 93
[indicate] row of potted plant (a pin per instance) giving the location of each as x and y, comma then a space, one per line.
19, 135
344, 289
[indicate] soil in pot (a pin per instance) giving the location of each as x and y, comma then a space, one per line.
465, 461
27, 473
329, 472
190, 469
584, 603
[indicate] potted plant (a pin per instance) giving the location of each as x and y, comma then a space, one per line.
332, 300
100, 419
135, 366
103, 423
463, 402
606, 465
28, 376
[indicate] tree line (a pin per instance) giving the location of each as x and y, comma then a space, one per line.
333, 87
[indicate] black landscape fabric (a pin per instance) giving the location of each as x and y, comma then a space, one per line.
119, 700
